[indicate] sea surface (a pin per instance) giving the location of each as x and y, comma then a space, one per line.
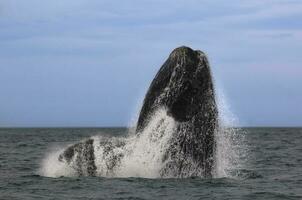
272, 170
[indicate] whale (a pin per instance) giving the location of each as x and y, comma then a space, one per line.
184, 88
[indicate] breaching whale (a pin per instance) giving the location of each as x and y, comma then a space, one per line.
184, 88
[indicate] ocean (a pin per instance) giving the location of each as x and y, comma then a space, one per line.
271, 168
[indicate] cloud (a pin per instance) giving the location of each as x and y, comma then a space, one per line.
119, 43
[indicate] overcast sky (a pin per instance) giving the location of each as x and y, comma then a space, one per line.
89, 63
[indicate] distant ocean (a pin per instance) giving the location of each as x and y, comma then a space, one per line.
271, 169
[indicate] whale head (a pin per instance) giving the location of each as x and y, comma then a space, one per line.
183, 86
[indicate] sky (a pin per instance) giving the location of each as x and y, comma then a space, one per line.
89, 63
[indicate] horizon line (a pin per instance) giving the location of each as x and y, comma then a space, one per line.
111, 127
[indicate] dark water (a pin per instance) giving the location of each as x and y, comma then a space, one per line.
273, 170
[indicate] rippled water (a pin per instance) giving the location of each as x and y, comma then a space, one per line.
273, 170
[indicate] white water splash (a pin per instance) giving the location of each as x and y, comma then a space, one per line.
141, 155
51, 167
230, 149
144, 151
138, 155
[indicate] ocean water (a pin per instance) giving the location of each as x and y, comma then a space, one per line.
265, 164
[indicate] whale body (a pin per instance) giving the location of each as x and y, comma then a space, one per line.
183, 87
